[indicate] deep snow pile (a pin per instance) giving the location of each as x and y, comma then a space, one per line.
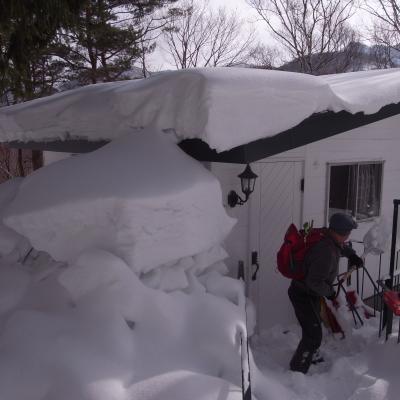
225, 107
130, 300
139, 197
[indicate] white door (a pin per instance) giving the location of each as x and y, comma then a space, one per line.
276, 203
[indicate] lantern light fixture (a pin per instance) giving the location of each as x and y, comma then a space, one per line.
247, 181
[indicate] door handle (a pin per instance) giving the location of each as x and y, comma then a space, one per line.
254, 261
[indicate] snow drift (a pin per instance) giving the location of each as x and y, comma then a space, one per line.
139, 197
123, 295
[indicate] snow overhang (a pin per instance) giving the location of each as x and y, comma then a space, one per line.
317, 127
217, 114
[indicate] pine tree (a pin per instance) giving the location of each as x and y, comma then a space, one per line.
107, 39
27, 27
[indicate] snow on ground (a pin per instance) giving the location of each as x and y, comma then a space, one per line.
225, 107
359, 367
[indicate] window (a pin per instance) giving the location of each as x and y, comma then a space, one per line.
355, 189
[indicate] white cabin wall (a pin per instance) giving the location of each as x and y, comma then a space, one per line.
375, 142
236, 244
243, 239
53, 156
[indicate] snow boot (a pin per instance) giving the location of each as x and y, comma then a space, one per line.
301, 360
317, 358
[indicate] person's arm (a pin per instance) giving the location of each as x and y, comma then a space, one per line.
354, 259
318, 271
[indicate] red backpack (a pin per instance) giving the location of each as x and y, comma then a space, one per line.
290, 257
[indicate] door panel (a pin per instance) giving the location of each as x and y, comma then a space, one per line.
277, 204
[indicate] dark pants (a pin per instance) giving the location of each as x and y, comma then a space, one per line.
307, 310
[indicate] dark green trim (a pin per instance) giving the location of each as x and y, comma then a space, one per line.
65, 146
317, 127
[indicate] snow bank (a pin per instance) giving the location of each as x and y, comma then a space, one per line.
140, 197
225, 107
137, 305
92, 331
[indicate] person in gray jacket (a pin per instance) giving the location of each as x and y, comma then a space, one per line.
321, 266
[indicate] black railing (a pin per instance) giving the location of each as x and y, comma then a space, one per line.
393, 279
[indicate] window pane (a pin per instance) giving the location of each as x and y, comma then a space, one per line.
342, 189
369, 190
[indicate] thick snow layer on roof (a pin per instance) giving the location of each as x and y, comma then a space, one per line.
140, 197
224, 107
366, 91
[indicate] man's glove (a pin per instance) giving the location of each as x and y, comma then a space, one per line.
355, 261
332, 296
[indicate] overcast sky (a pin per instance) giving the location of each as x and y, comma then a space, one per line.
159, 60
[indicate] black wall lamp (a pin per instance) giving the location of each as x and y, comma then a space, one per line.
247, 180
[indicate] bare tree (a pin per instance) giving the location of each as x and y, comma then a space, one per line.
197, 36
314, 32
264, 57
386, 31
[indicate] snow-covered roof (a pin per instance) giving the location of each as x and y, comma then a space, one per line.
224, 107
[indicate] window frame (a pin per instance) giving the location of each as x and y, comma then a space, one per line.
354, 163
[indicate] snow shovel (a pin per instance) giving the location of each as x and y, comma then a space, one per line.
329, 319
351, 303
327, 315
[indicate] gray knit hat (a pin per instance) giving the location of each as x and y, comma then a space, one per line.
342, 223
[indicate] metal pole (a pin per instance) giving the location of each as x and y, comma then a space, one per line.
389, 282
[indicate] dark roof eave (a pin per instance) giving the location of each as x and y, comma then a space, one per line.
316, 127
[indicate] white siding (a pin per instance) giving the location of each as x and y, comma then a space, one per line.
236, 243
375, 142
53, 156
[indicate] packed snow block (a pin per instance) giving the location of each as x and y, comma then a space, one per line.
140, 198
176, 330
174, 275
100, 274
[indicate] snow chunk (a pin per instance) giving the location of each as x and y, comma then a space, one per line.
98, 271
377, 239
140, 198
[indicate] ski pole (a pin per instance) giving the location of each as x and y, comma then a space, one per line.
351, 305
